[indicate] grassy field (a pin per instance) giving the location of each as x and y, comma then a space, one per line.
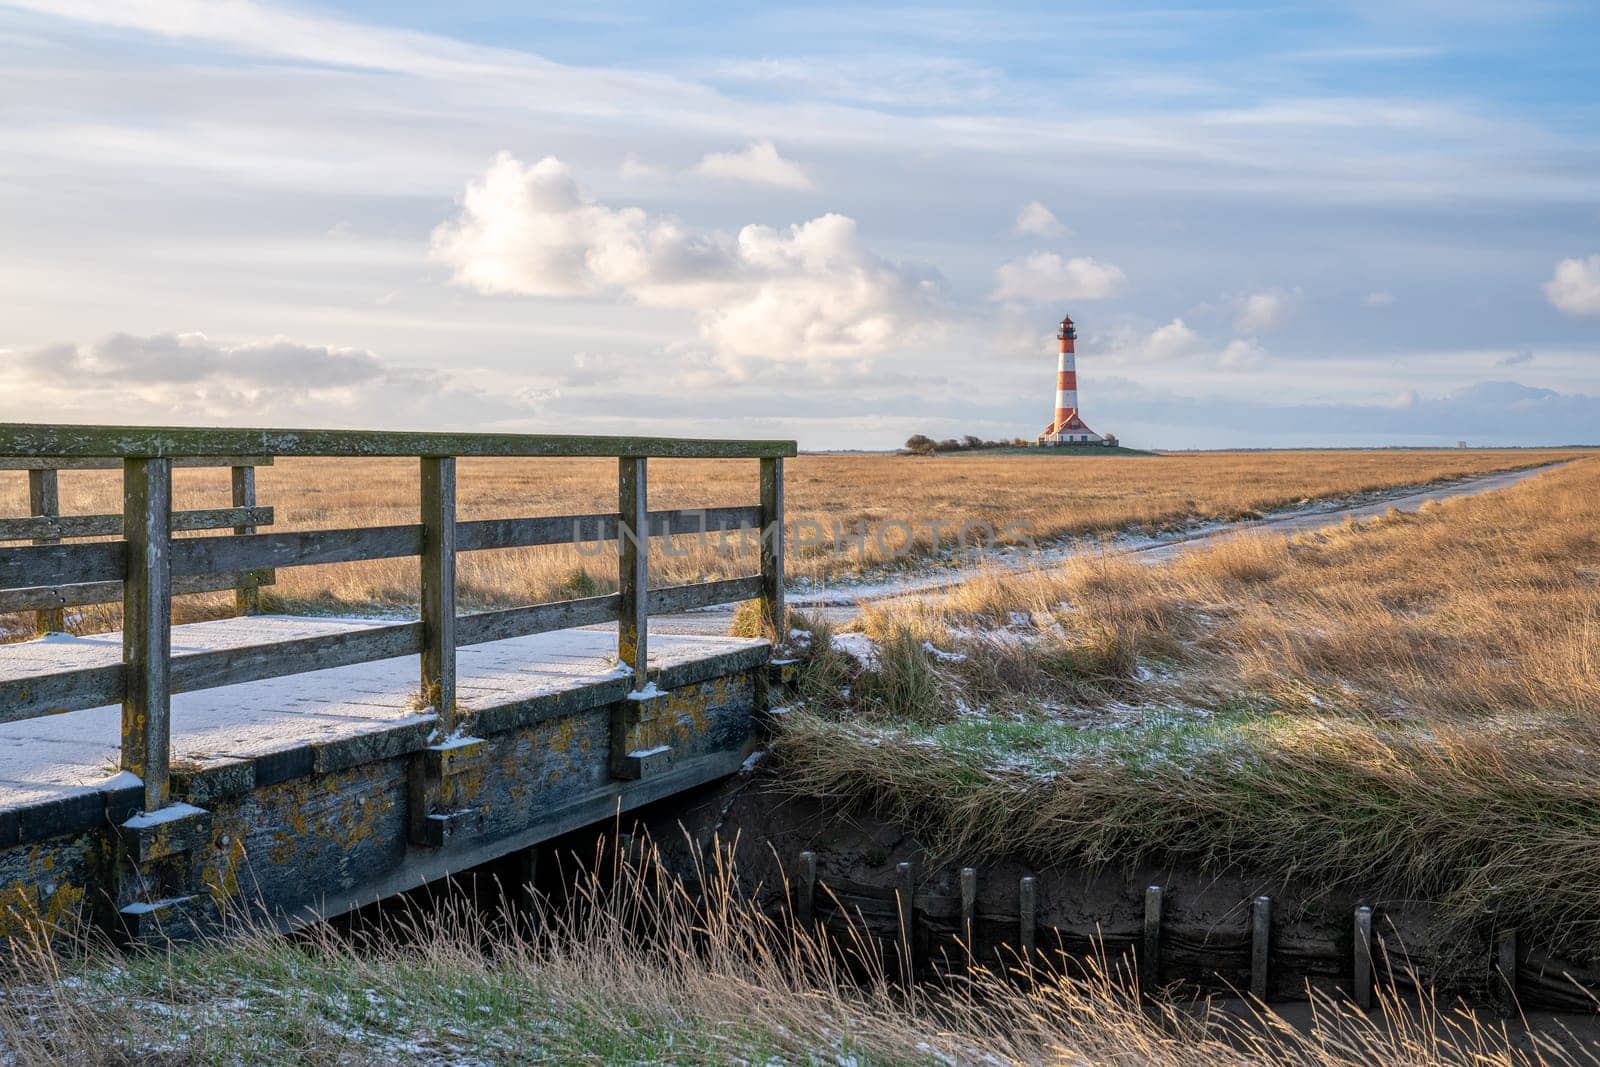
1051, 496
1406, 704
637, 975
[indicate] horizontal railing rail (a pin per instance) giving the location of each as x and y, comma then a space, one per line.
45, 525
23, 461
148, 566
180, 443
66, 527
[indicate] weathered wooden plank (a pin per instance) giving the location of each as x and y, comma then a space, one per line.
905, 898
114, 463
439, 588
28, 439
147, 626
704, 594
633, 569
192, 556
1261, 948
1150, 950
27, 565
299, 548
481, 534
806, 897
1361, 970
252, 663
46, 694
242, 482
36, 598
59, 526
771, 525
44, 505
1027, 918
969, 912
485, 626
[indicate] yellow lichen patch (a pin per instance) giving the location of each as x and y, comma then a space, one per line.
221, 878
32, 914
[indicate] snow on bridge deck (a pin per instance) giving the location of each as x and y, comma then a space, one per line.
77, 752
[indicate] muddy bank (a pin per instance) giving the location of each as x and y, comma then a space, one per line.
1203, 942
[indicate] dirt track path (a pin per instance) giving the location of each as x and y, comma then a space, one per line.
844, 603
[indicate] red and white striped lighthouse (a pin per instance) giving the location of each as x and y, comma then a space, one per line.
1067, 428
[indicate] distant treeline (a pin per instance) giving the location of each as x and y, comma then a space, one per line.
921, 445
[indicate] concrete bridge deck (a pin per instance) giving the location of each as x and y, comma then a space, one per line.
281, 722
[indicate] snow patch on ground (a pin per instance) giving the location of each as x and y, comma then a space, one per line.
859, 647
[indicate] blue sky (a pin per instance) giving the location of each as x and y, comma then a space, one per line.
1334, 223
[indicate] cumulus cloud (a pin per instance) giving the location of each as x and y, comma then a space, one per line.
634, 169
1132, 341
1380, 299
811, 291
189, 376
1266, 310
1516, 359
1036, 220
1575, 286
1045, 276
1242, 354
757, 164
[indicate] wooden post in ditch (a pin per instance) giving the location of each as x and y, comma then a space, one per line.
1506, 953
1361, 971
44, 501
1260, 947
771, 541
969, 908
147, 626
439, 588
904, 899
1027, 917
1150, 957
633, 568
805, 901
247, 596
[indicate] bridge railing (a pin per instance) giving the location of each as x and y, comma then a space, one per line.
46, 525
152, 565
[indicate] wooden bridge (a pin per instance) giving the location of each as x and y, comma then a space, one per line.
163, 777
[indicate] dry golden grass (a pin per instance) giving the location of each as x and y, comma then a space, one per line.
642, 970
1054, 496
1409, 704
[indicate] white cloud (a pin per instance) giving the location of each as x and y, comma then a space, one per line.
1045, 276
1132, 342
1266, 310
758, 164
811, 291
189, 377
1171, 341
1242, 354
1380, 299
634, 169
1036, 220
1575, 286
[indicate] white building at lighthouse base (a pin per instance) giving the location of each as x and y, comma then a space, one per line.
1071, 435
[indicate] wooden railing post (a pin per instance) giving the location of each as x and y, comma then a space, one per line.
44, 499
772, 609
633, 568
247, 597
147, 625
439, 588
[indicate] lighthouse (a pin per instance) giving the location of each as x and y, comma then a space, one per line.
1067, 428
